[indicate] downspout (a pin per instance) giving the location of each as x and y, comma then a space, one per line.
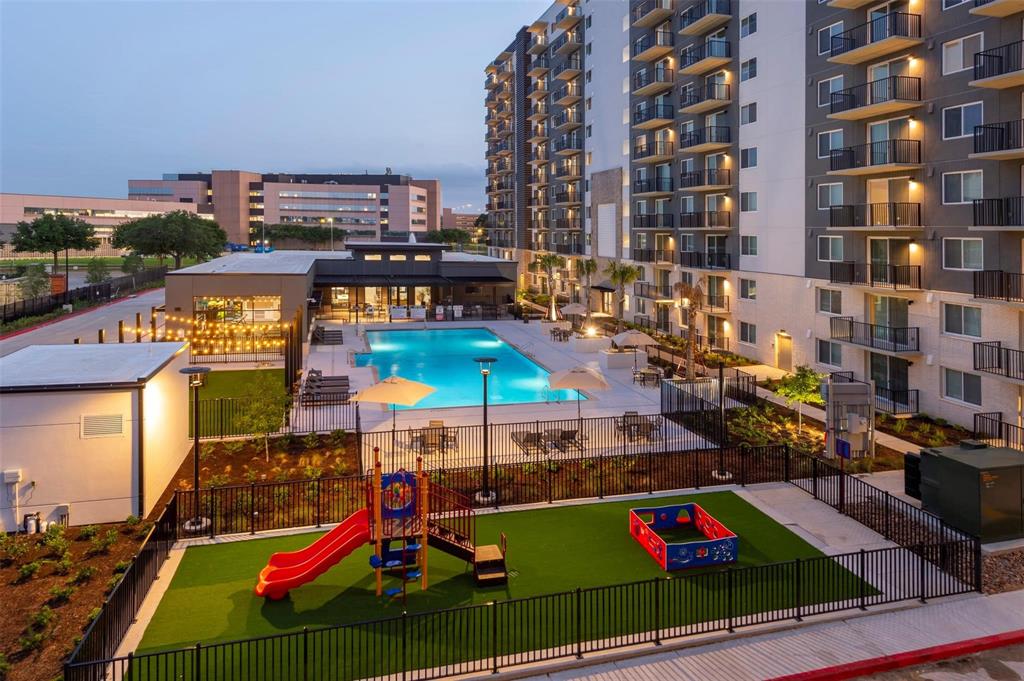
141, 443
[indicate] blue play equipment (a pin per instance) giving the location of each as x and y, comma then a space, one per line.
719, 546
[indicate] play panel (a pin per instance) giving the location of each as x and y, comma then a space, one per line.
663, 532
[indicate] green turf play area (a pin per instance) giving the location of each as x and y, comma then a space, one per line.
549, 550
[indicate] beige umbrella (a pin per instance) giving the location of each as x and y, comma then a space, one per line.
635, 339
394, 390
574, 308
578, 378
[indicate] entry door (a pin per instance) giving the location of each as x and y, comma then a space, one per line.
784, 352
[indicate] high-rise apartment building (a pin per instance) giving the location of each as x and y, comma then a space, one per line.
368, 206
839, 177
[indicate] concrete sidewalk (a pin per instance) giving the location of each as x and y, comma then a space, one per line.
816, 646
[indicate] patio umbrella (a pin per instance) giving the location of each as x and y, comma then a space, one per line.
635, 339
578, 378
394, 390
573, 308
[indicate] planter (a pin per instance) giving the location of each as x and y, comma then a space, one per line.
590, 344
622, 360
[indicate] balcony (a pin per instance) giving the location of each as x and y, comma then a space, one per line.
655, 255
653, 221
875, 215
705, 98
709, 179
884, 35
705, 261
569, 69
891, 277
653, 152
505, 130
652, 81
709, 219
650, 13
567, 42
568, 145
505, 71
704, 16
539, 156
567, 170
566, 224
893, 401
538, 44
539, 65
568, 93
653, 186
999, 141
538, 89
998, 285
538, 112
1002, 213
848, 4
491, 100
992, 358
566, 120
886, 339
568, 248
999, 68
645, 289
884, 156
537, 179
503, 111
568, 198
706, 139
997, 8
877, 98
653, 46
490, 82
538, 134
653, 116
711, 55
567, 18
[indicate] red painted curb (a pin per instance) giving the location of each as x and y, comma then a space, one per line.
61, 318
909, 658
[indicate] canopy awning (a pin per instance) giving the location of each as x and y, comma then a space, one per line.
410, 280
604, 286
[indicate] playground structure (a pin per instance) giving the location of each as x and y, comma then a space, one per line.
719, 546
405, 515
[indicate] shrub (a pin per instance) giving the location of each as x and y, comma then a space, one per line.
311, 441
234, 446
312, 472
42, 619
28, 570
122, 566
88, 532
12, 549
31, 641
5, 667
286, 442
84, 574
103, 543
337, 437
143, 530
63, 565
218, 480
113, 582
93, 614
59, 595
131, 522
251, 475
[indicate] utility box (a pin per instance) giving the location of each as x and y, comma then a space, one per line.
978, 490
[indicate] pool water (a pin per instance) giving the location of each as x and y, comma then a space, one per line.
443, 359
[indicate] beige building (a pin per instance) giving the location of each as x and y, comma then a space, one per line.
452, 220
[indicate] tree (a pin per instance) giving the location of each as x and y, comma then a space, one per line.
804, 385
263, 409
314, 234
481, 220
96, 271
586, 268
622, 275
547, 263
35, 282
448, 236
178, 234
52, 234
132, 264
692, 296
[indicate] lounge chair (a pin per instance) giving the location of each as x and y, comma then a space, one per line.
569, 439
530, 443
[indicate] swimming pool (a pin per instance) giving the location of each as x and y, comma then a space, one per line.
443, 359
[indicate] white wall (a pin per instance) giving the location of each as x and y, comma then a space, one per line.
165, 428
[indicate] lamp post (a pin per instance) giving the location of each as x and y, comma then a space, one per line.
196, 379
485, 496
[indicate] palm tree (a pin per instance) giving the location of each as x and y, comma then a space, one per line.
622, 275
586, 268
547, 263
692, 296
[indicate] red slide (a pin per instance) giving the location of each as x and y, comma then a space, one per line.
289, 569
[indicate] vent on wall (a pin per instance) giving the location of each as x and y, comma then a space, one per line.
102, 425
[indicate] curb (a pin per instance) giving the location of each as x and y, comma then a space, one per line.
77, 313
909, 658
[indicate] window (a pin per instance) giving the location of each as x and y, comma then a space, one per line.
748, 245
830, 194
830, 249
958, 55
960, 120
748, 25
588, 48
686, 243
589, 18
962, 253
748, 113
748, 157
829, 301
748, 333
827, 87
961, 187
962, 320
748, 69
829, 140
748, 289
590, 102
748, 202
961, 386
830, 353
825, 36
589, 131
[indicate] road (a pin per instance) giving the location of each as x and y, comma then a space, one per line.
86, 324
1000, 664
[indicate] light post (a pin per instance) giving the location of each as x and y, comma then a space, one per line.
196, 379
485, 496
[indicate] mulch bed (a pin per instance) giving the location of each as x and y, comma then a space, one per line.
1003, 572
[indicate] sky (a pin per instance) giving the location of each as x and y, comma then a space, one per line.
93, 94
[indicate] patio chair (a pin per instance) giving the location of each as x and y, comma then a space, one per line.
569, 439
530, 443
433, 439
643, 430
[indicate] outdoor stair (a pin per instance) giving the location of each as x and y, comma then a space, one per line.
328, 336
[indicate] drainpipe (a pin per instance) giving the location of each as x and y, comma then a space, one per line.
141, 458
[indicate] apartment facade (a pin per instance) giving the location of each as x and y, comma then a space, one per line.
364, 206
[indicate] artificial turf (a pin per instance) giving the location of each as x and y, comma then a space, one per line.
549, 550
235, 383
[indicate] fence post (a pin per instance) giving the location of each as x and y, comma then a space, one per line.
728, 572
650, 472
888, 528
494, 637
744, 450
657, 611
101, 335
863, 582
405, 643
814, 477
600, 477
195, 662
921, 562
138, 327
548, 468
977, 564
785, 461
252, 508
579, 623
120, 331
318, 511
213, 491
796, 591
305, 652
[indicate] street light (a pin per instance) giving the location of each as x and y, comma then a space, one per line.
485, 496
196, 379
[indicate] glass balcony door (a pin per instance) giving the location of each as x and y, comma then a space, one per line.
881, 88
879, 25
884, 252
881, 132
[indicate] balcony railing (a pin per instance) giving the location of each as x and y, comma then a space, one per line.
705, 261
565, 41
708, 93
539, 109
895, 277
709, 49
693, 15
653, 41
881, 153
891, 25
653, 221
652, 10
881, 91
568, 197
570, 143
876, 215
567, 91
996, 137
568, 17
653, 112
566, 223
563, 170
992, 358
646, 289
1005, 212
539, 155
709, 219
714, 302
568, 66
711, 135
892, 401
653, 255
652, 185
999, 285
647, 77
642, 151
999, 61
876, 336
708, 177
570, 248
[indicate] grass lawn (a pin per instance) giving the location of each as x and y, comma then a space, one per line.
235, 383
549, 550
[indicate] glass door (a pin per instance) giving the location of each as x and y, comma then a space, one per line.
880, 135
880, 87
880, 24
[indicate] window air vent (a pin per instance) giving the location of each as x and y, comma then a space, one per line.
102, 425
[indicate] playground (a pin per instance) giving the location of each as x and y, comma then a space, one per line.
550, 550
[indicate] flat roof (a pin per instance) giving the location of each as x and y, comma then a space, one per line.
300, 262
43, 367
984, 457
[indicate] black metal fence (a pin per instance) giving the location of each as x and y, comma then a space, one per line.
890, 25
999, 285
896, 277
992, 358
891, 338
991, 428
1002, 212
1003, 136
40, 305
998, 61
890, 89
224, 417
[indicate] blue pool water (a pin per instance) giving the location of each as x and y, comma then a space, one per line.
443, 359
